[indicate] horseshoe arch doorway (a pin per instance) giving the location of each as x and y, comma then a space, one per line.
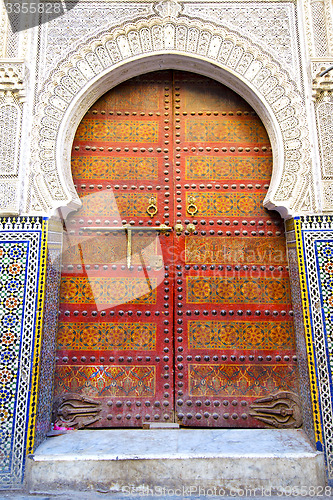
175, 298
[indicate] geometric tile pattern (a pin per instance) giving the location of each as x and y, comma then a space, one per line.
50, 327
22, 266
314, 236
230, 380
96, 336
324, 255
97, 381
249, 335
237, 290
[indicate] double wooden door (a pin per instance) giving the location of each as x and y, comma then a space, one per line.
175, 301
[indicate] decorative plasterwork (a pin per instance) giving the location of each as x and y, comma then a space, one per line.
10, 120
318, 27
9, 196
267, 24
3, 29
168, 9
158, 43
322, 77
63, 34
12, 75
322, 91
329, 24
12, 96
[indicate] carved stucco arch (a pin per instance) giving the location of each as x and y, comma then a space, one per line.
170, 44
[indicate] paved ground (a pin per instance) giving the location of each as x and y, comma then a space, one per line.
166, 496
93, 496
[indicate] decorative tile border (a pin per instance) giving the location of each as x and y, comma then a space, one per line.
22, 282
314, 236
22, 285
50, 329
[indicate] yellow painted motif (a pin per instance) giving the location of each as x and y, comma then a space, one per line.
118, 131
111, 168
237, 290
110, 291
242, 250
226, 130
108, 203
228, 167
228, 204
241, 335
109, 248
133, 94
234, 380
97, 336
108, 381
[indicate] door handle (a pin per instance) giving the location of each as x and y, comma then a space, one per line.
152, 207
191, 206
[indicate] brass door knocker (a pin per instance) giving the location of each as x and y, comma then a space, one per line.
191, 207
152, 207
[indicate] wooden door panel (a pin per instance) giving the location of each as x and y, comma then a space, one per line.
235, 338
192, 325
115, 346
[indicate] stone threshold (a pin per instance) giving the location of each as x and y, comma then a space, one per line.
121, 460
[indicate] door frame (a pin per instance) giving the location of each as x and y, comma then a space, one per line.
62, 197
105, 61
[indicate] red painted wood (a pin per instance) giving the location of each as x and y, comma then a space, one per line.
207, 332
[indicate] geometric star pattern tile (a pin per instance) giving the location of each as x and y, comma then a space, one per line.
22, 247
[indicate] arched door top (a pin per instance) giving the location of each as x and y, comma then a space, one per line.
178, 44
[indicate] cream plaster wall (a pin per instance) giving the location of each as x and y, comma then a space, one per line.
271, 52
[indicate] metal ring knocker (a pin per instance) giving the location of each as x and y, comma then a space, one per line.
191, 207
152, 207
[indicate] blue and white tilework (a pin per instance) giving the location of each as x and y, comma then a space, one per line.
50, 329
317, 238
20, 256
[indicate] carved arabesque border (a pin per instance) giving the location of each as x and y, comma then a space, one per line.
82, 78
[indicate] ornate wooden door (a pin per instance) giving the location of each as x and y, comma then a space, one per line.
175, 301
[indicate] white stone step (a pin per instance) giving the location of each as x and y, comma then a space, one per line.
126, 460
